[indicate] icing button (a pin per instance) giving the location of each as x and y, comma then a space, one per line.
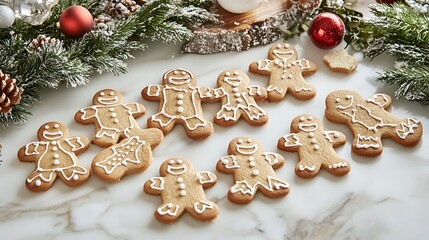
54, 149
111, 109
251, 159
75, 177
38, 183
252, 164
237, 95
56, 155
182, 193
255, 172
54, 142
182, 186
316, 147
313, 141
116, 120
180, 109
56, 162
113, 115
239, 100
235, 90
311, 134
179, 180
180, 96
180, 102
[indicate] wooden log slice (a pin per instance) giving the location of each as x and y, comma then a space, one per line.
239, 32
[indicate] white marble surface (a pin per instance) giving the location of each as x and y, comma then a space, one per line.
381, 198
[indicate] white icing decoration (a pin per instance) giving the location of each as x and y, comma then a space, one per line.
373, 99
310, 127
179, 180
34, 151
311, 134
52, 135
254, 90
149, 90
255, 172
338, 165
38, 183
245, 188
78, 140
202, 206
299, 89
182, 186
272, 88
305, 167
205, 177
316, 147
303, 63
56, 155
166, 210
271, 158
182, 193
369, 138
410, 125
56, 162
177, 170
247, 150
119, 162
290, 137
229, 162
155, 180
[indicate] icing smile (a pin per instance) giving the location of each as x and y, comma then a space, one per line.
349, 98
52, 135
234, 81
177, 170
283, 55
311, 127
247, 150
179, 80
108, 101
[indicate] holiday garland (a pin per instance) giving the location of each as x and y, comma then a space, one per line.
400, 30
42, 57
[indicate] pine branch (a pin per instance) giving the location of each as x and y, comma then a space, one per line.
74, 60
413, 83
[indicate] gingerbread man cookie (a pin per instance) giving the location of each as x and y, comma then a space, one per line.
239, 99
113, 119
182, 189
253, 170
369, 121
180, 102
131, 155
286, 73
315, 147
55, 156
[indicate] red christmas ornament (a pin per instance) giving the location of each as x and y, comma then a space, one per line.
326, 30
75, 21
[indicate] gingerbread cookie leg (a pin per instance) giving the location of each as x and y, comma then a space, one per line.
74, 176
275, 188
169, 212
197, 128
162, 121
241, 192
367, 144
40, 181
203, 209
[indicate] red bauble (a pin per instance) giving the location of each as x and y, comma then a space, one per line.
75, 21
326, 30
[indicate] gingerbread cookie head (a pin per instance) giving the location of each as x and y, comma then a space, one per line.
342, 100
107, 97
245, 146
305, 123
233, 78
176, 167
179, 77
282, 51
52, 131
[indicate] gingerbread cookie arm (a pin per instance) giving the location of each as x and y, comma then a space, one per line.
31, 152
152, 93
289, 143
136, 109
274, 159
154, 186
207, 94
261, 67
336, 138
257, 92
86, 115
76, 144
206, 179
381, 100
307, 67
227, 164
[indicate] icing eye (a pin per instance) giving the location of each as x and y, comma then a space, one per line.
56, 126
172, 162
337, 100
279, 46
179, 161
235, 73
227, 74
111, 93
176, 72
240, 141
249, 140
102, 94
240, 78
310, 118
348, 97
302, 119
46, 127
183, 73
286, 45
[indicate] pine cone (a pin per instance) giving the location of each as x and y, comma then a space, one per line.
43, 40
10, 93
103, 23
121, 8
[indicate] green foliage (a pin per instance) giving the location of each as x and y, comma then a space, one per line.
74, 60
